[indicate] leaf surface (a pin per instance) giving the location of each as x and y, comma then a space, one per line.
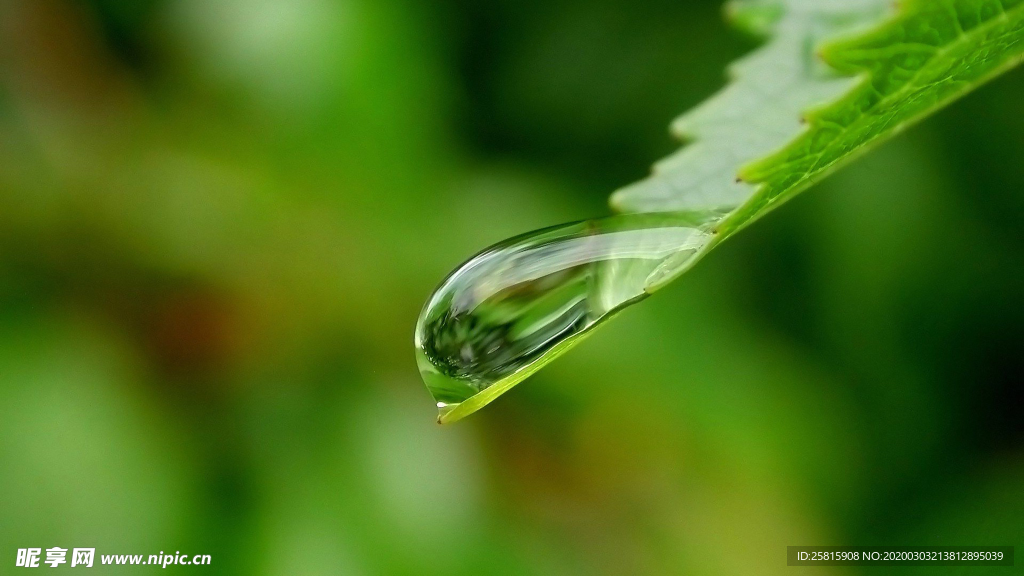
836, 78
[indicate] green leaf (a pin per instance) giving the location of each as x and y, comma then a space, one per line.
836, 78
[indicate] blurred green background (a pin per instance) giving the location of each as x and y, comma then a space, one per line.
219, 220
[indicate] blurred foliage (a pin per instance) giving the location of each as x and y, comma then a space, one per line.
218, 221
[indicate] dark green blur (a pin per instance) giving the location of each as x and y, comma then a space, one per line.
219, 221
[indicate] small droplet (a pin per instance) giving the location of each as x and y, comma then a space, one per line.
517, 305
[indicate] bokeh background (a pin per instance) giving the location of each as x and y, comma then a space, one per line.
219, 220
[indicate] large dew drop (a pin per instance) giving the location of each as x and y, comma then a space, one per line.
518, 305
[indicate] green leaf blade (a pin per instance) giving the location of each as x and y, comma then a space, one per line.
836, 79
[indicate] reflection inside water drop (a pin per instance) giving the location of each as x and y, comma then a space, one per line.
515, 306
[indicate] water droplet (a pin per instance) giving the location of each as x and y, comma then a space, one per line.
521, 303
